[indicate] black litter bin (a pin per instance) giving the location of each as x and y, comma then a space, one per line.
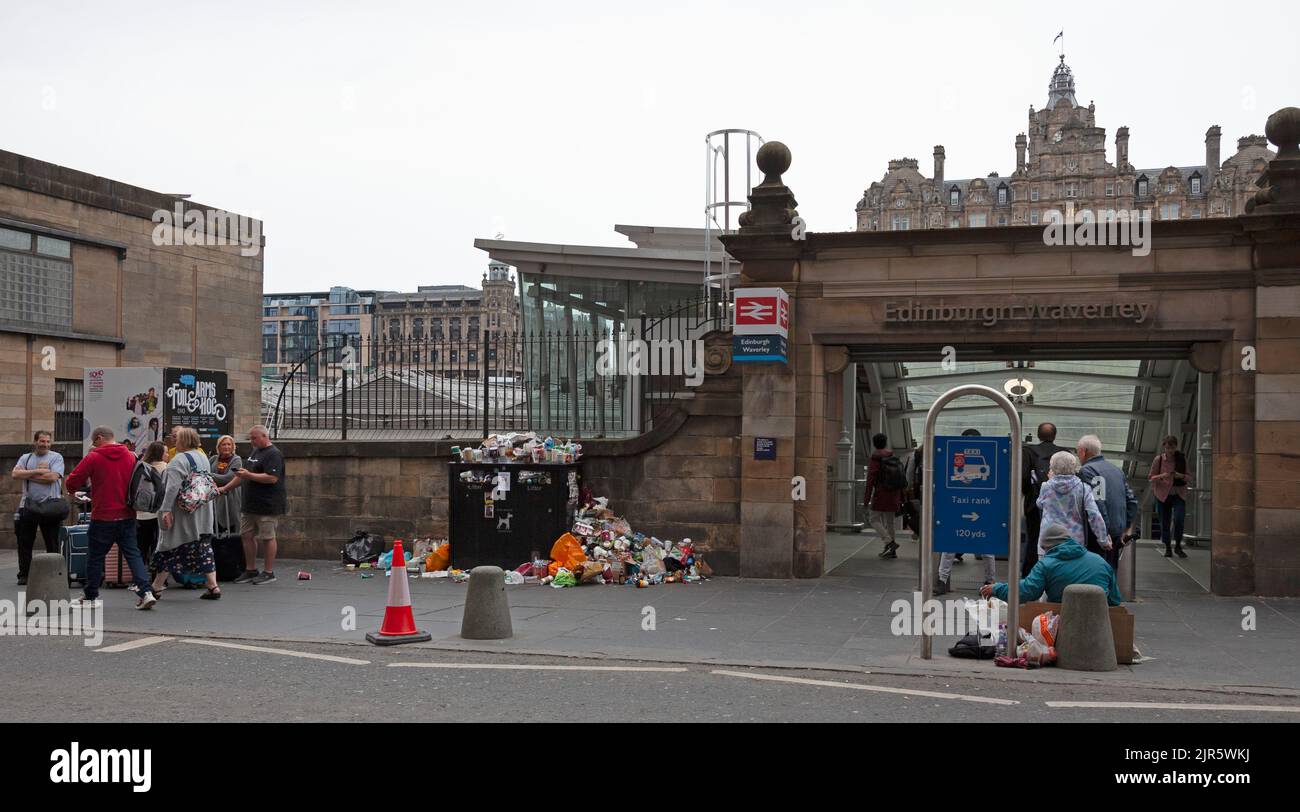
535, 510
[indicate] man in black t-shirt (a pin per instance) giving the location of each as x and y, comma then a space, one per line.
262, 479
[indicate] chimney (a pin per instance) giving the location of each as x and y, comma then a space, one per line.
1212, 162
1021, 143
938, 168
1121, 149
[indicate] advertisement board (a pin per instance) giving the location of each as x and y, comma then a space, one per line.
141, 404
129, 400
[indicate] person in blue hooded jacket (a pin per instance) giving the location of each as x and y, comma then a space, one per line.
1064, 562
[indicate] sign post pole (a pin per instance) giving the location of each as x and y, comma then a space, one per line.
928, 500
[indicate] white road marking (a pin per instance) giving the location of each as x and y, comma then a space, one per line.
1177, 706
505, 667
858, 687
133, 644
306, 655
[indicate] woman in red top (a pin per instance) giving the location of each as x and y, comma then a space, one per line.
882, 502
1169, 480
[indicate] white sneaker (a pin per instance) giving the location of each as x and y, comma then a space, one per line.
133, 588
146, 601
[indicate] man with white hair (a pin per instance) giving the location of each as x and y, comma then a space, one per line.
1110, 488
1066, 501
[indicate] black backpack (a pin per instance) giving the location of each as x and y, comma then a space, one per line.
146, 492
892, 475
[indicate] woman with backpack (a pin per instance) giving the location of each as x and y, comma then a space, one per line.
1169, 480
146, 524
886, 482
185, 519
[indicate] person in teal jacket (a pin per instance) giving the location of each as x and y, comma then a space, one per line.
1063, 562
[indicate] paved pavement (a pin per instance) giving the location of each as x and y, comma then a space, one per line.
838, 622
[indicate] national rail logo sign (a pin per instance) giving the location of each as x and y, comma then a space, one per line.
762, 311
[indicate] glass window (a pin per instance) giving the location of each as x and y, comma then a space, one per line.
270, 311
16, 240
1002, 196
67, 410
1110, 190
1033, 217
954, 197
1196, 186
35, 291
473, 356
900, 223
954, 223
977, 220
270, 328
1033, 193
1142, 188
417, 328
1002, 219
51, 247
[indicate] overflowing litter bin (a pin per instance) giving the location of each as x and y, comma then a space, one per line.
503, 513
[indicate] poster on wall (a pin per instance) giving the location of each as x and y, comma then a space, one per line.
142, 404
197, 399
129, 400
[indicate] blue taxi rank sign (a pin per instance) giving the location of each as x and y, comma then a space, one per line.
972, 495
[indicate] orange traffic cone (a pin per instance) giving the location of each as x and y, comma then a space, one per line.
399, 622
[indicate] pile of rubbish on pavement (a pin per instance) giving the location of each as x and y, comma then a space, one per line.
601, 548
520, 447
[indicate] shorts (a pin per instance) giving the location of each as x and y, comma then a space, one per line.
262, 527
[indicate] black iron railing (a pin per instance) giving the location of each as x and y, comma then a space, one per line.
574, 384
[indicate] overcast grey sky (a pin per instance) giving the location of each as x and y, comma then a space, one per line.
378, 139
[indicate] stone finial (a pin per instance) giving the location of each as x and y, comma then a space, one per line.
1283, 130
1280, 183
771, 203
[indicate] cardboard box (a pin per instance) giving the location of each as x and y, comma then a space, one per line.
1121, 625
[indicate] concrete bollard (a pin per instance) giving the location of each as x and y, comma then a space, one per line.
47, 580
487, 612
1084, 641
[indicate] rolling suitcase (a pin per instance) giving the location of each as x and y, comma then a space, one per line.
74, 542
117, 573
228, 552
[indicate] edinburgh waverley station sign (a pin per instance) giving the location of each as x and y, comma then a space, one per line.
911, 311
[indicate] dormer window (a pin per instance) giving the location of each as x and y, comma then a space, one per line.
954, 197
1142, 186
1002, 195
1196, 184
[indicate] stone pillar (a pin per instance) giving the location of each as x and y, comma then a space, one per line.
1121, 149
1273, 222
780, 536
938, 170
1022, 143
845, 503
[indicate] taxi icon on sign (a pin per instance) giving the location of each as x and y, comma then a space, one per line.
968, 468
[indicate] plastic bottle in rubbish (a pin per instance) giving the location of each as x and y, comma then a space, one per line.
1002, 640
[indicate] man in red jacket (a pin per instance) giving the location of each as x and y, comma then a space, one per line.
108, 467
882, 501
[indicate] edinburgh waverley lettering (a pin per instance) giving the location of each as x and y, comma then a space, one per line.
913, 312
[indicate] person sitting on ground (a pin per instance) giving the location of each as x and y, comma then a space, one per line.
1063, 562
